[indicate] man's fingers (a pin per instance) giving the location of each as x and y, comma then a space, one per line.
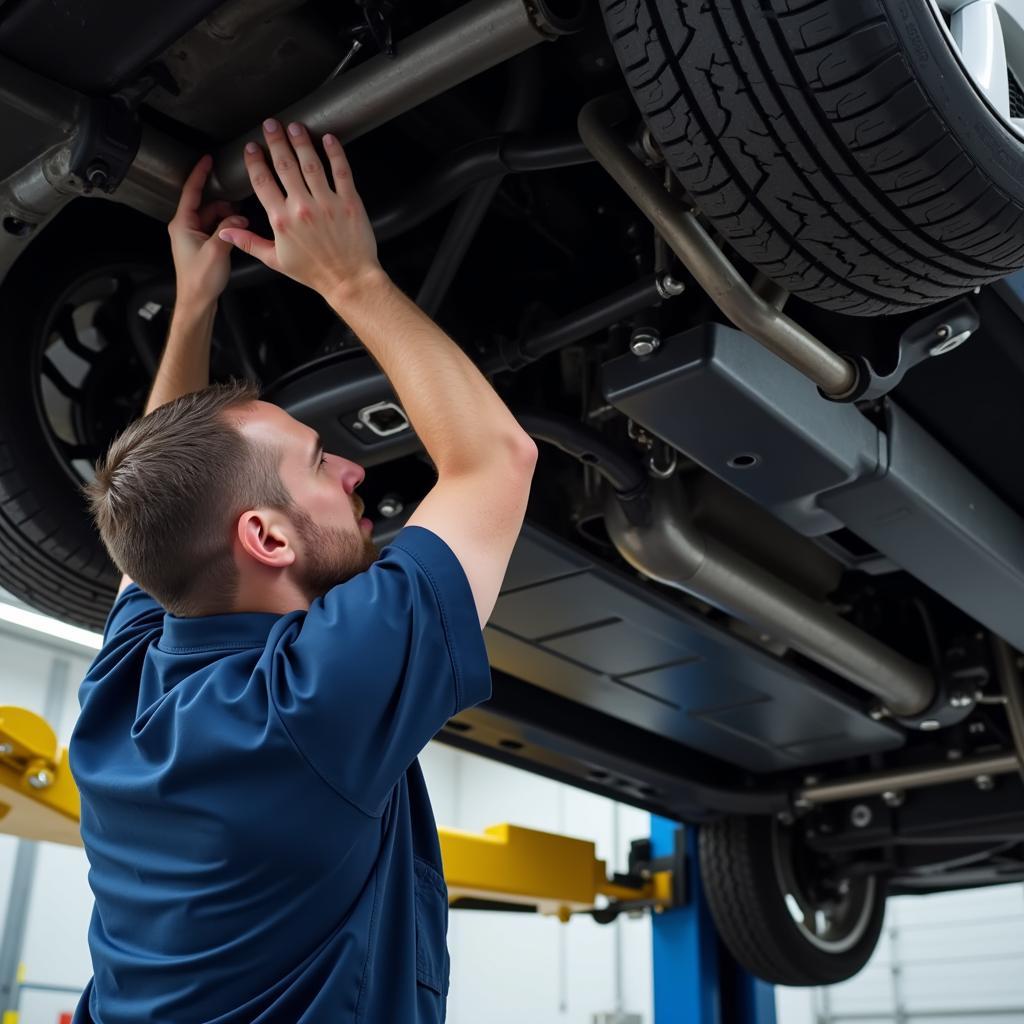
235, 221
340, 169
214, 212
248, 241
192, 191
285, 162
309, 161
262, 179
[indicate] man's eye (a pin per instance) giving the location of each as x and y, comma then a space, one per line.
323, 460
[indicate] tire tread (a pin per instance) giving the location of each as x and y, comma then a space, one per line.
780, 120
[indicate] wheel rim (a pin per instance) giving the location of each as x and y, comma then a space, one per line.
88, 381
834, 923
987, 39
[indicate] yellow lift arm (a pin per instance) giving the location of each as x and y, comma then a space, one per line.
505, 865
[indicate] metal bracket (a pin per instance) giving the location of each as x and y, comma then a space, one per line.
933, 335
105, 145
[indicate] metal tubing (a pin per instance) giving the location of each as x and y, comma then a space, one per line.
473, 38
517, 114
575, 327
671, 549
907, 778
479, 161
153, 184
584, 443
682, 231
39, 98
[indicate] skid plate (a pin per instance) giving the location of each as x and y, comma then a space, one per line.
589, 633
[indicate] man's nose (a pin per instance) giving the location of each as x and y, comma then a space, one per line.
352, 474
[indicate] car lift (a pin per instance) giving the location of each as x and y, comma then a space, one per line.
696, 981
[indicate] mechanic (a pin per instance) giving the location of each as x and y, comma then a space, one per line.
260, 840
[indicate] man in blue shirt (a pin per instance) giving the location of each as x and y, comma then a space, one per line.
260, 840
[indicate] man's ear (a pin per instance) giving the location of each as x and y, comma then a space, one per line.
264, 535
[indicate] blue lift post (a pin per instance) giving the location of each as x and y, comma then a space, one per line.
696, 980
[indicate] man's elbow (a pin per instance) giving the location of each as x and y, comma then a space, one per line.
523, 454
509, 456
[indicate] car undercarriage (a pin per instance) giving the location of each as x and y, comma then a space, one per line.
773, 568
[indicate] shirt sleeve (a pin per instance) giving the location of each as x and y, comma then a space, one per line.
133, 607
379, 664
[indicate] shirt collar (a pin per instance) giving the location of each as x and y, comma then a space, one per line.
238, 630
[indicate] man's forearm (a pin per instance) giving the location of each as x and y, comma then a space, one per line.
461, 421
185, 364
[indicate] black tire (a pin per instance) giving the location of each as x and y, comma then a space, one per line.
837, 145
51, 556
745, 864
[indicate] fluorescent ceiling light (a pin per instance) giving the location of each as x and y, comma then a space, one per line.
50, 627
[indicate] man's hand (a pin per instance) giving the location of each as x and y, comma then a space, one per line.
202, 261
322, 236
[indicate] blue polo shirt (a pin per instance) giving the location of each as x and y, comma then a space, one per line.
260, 840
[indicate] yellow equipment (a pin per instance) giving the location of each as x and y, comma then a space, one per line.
505, 865
38, 797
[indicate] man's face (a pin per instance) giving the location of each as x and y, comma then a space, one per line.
332, 539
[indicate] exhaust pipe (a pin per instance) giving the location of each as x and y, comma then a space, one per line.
471, 39
669, 548
760, 318
651, 526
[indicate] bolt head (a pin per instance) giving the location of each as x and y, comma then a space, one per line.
985, 783
893, 798
40, 779
929, 725
947, 343
390, 506
860, 816
669, 286
960, 700
643, 341
97, 174
6, 748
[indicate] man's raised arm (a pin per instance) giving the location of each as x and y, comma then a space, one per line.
202, 262
484, 460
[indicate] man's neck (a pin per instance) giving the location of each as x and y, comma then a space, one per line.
277, 598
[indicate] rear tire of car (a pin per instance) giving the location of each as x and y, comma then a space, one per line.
839, 146
780, 918
51, 556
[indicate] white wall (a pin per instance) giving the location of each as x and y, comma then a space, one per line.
954, 957
60, 903
507, 969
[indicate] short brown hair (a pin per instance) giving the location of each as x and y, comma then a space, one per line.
169, 492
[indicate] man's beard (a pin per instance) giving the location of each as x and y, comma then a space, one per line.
329, 555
